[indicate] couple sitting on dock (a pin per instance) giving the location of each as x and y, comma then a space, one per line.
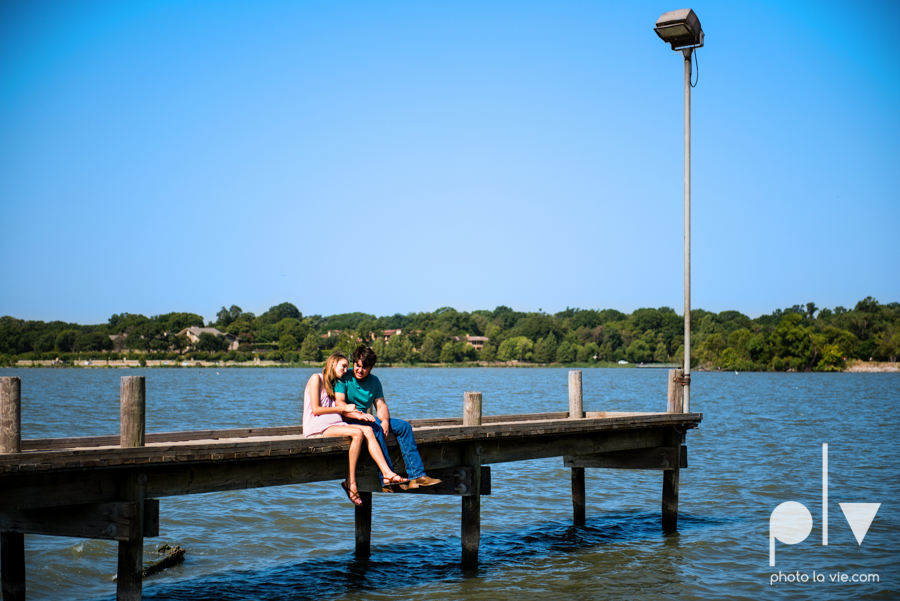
336, 403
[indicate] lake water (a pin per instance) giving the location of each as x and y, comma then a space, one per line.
760, 444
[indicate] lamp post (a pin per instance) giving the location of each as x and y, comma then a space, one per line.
681, 28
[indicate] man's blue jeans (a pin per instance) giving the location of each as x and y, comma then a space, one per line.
403, 431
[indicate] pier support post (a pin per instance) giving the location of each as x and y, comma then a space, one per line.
579, 498
132, 410
133, 487
670, 485
12, 544
471, 506
576, 411
472, 409
675, 391
576, 400
364, 525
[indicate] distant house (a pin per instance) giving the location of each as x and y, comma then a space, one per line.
477, 341
118, 341
194, 335
387, 335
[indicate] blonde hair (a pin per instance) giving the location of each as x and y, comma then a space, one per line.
328, 376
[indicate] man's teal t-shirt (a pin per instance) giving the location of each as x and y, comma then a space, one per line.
361, 393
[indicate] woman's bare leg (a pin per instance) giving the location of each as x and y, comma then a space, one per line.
356, 438
376, 454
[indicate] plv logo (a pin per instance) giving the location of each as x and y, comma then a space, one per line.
791, 522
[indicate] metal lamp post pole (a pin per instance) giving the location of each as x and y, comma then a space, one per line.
688, 52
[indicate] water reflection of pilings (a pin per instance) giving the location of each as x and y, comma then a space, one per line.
624, 538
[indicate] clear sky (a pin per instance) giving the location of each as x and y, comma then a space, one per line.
396, 157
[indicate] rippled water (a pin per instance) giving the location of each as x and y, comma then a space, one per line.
760, 444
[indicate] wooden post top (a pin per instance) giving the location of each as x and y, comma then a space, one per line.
10, 414
472, 409
132, 410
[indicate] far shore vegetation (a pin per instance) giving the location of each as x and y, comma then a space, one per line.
799, 338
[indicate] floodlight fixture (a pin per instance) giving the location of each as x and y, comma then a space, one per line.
680, 28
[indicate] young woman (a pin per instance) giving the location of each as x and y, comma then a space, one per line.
321, 417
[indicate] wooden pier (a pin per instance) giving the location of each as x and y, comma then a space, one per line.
108, 487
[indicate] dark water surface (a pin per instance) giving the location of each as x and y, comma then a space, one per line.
760, 444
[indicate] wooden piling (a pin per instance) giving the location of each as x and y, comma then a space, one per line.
670, 484
132, 409
576, 411
471, 506
10, 415
576, 401
364, 525
579, 498
133, 488
129, 581
675, 391
12, 544
472, 409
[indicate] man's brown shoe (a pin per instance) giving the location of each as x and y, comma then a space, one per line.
423, 481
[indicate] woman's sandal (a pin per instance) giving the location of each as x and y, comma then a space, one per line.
387, 484
351, 494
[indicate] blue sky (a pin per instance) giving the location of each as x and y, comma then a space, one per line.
398, 157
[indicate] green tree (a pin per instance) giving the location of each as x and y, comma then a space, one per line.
66, 341
176, 322
488, 352
545, 349
832, 358
210, 343
158, 345
448, 352
710, 349
379, 348
223, 318
792, 342
638, 352
181, 343
279, 312
287, 343
430, 352
738, 340
566, 352
888, 342
582, 354
515, 349
93, 342
309, 350
393, 350
660, 354
407, 352
45, 343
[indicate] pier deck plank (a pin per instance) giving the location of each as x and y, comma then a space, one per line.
184, 463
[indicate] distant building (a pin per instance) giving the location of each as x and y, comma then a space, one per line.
477, 341
387, 335
194, 335
118, 341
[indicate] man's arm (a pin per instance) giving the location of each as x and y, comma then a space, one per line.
384, 414
349, 409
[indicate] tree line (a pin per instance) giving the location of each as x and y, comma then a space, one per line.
799, 338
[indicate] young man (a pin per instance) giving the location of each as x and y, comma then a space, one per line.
360, 388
